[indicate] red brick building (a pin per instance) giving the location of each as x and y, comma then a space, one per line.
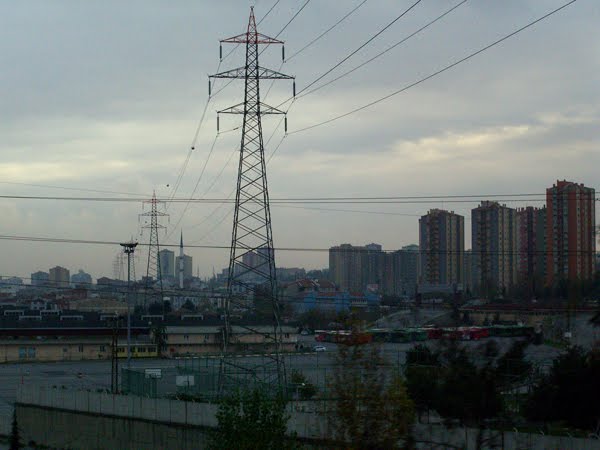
570, 232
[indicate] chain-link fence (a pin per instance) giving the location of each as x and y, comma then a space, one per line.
198, 378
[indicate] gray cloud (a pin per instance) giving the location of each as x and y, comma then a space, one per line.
107, 95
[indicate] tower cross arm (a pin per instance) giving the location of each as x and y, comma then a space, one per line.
263, 73
239, 109
155, 213
251, 38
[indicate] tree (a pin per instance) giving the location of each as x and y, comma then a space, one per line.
157, 308
305, 389
422, 385
466, 393
252, 419
316, 319
569, 392
15, 438
159, 337
372, 408
189, 305
491, 349
512, 366
422, 374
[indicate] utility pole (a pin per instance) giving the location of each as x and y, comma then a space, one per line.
252, 234
115, 323
181, 260
129, 249
153, 269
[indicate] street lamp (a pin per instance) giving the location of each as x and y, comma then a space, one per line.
129, 248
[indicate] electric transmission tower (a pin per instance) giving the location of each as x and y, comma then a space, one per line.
252, 259
118, 266
153, 293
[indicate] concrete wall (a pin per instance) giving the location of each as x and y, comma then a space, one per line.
79, 419
74, 430
150, 409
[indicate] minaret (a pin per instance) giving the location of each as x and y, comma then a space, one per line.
181, 261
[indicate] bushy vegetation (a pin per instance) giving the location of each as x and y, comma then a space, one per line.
372, 409
569, 392
252, 419
464, 386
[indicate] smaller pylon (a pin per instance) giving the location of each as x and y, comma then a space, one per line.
118, 266
153, 293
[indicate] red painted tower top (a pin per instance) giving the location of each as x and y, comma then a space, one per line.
252, 36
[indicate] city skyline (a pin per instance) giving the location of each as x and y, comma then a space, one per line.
528, 237
121, 120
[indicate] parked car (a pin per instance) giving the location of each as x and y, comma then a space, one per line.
319, 348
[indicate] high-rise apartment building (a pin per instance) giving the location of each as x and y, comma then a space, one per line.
407, 269
255, 263
531, 246
59, 277
373, 264
570, 232
352, 268
494, 247
40, 278
468, 271
442, 246
81, 278
345, 266
166, 258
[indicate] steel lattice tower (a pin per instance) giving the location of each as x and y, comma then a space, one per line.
153, 270
252, 262
118, 266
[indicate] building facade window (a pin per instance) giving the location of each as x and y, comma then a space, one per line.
80, 349
31, 352
22, 352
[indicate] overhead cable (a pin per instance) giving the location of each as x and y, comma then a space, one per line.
446, 68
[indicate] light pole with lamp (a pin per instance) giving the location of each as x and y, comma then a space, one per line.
129, 248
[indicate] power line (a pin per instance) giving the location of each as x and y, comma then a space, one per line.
194, 140
210, 215
383, 213
367, 42
268, 12
292, 19
424, 27
289, 249
326, 31
314, 200
191, 149
212, 147
446, 68
47, 186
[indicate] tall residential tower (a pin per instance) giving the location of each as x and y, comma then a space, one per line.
494, 239
442, 246
570, 232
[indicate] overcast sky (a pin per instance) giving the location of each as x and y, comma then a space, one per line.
107, 95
